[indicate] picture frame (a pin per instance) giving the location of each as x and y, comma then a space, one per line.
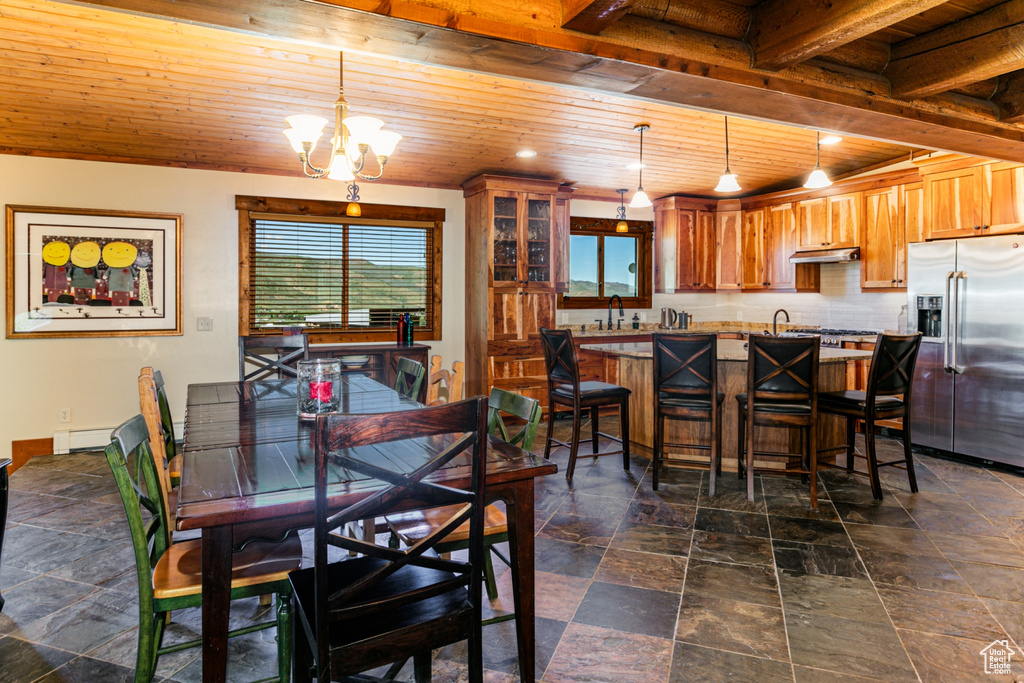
92, 273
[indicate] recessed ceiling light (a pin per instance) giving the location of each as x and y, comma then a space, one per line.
526, 153
635, 166
831, 139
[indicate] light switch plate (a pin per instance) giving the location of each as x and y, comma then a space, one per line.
739, 315
204, 324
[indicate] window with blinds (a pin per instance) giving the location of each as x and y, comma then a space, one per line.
342, 278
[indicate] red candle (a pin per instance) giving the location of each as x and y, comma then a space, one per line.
321, 391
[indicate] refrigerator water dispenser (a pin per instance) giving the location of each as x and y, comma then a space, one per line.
929, 315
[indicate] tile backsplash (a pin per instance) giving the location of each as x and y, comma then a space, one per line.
839, 304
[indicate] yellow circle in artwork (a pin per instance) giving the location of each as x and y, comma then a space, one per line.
119, 254
56, 253
85, 254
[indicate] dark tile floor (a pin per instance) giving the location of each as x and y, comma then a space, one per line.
633, 584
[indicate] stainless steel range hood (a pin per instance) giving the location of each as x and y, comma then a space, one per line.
827, 256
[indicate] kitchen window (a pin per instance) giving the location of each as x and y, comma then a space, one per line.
305, 264
603, 263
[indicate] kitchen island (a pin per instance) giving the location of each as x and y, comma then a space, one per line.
635, 370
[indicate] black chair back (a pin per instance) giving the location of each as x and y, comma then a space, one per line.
560, 358
378, 447
685, 366
783, 368
274, 357
892, 365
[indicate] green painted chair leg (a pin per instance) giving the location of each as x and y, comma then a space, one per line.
492, 585
284, 634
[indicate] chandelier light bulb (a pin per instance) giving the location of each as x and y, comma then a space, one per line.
727, 182
640, 199
818, 179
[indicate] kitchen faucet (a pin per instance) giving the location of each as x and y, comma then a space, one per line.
622, 313
775, 321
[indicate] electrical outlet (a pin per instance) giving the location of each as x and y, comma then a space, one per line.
204, 324
739, 315
64, 415
643, 317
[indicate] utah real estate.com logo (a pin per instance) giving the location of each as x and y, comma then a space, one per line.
997, 657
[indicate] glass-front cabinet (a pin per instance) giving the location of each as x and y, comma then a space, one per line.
521, 227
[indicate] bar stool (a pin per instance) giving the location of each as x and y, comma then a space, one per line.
685, 388
565, 388
891, 374
782, 391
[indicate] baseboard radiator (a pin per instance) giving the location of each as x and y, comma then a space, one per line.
72, 441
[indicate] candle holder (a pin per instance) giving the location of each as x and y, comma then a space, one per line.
319, 387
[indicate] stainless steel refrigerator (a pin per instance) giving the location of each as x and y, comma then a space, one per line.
967, 298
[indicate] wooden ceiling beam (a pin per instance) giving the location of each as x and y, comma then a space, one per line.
717, 17
648, 66
1000, 16
863, 53
1010, 97
958, 64
785, 32
592, 16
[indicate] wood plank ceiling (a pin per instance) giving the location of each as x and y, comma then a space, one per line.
85, 82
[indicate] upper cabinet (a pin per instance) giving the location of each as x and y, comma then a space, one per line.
755, 271
685, 234
883, 244
769, 239
781, 242
829, 222
983, 199
728, 250
522, 226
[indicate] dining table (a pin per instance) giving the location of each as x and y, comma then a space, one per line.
247, 474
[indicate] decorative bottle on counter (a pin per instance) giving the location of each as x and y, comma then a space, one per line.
410, 326
636, 321
401, 329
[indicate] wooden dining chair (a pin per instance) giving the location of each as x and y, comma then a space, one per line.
389, 604
409, 378
274, 356
443, 385
890, 377
412, 527
5, 464
686, 388
565, 388
169, 576
156, 409
782, 391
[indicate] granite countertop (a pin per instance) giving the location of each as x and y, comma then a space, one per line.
728, 350
703, 326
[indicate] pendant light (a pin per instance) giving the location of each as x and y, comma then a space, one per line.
817, 179
640, 199
622, 225
727, 182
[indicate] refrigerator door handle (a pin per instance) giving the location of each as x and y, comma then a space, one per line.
947, 320
960, 275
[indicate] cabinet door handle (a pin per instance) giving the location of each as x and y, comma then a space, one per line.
892, 281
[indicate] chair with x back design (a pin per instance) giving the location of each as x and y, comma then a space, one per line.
565, 388
890, 376
274, 357
686, 388
782, 391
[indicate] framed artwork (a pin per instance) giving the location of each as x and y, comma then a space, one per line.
92, 273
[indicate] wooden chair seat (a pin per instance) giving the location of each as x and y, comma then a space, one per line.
856, 402
668, 404
415, 526
591, 391
178, 572
771, 406
174, 467
433, 622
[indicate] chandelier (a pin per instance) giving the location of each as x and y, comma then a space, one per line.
354, 138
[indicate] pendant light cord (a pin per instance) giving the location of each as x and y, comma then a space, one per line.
727, 145
641, 157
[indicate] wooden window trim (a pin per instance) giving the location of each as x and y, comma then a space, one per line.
249, 206
601, 227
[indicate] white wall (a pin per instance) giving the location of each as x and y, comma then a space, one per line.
96, 378
840, 303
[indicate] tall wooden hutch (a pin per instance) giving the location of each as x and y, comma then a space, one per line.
516, 262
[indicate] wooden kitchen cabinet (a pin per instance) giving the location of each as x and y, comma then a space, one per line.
728, 250
1004, 189
755, 271
692, 228
954, 202
831, 222
883, 250
512, 267
893, 217
769, 239
560, 239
